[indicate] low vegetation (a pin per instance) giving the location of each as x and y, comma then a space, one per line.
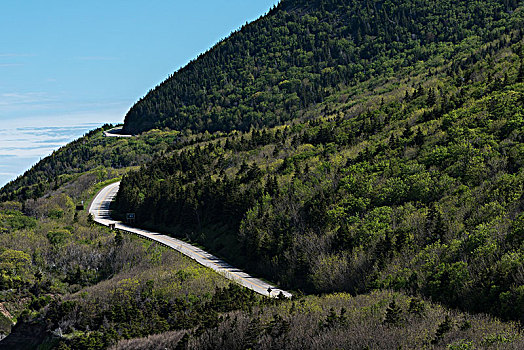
381, 320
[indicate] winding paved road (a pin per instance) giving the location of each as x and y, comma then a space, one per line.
100, 210
116, 132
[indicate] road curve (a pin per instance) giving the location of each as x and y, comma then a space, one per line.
116, 132
101, 214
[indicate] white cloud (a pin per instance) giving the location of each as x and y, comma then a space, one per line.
39, 141
40, 109
38, 135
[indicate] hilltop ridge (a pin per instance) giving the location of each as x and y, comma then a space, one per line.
302, 52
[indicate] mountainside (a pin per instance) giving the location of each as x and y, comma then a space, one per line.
304, 51
410, 180
67, 284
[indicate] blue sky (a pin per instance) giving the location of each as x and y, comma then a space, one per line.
78, 64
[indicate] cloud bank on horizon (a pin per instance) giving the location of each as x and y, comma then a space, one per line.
24, 141
21, 147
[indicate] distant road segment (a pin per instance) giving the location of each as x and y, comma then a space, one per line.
101, 214
115, 132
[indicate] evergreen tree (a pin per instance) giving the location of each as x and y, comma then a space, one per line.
331, 319
253, 333
419, 138
442, 329
183, 342
432, 98
520, 76
416, 306
393, 314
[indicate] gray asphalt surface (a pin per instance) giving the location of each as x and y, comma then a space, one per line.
115, 132
100, 210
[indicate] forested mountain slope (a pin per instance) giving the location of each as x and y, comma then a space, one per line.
71, 285
414, 182
303, 51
